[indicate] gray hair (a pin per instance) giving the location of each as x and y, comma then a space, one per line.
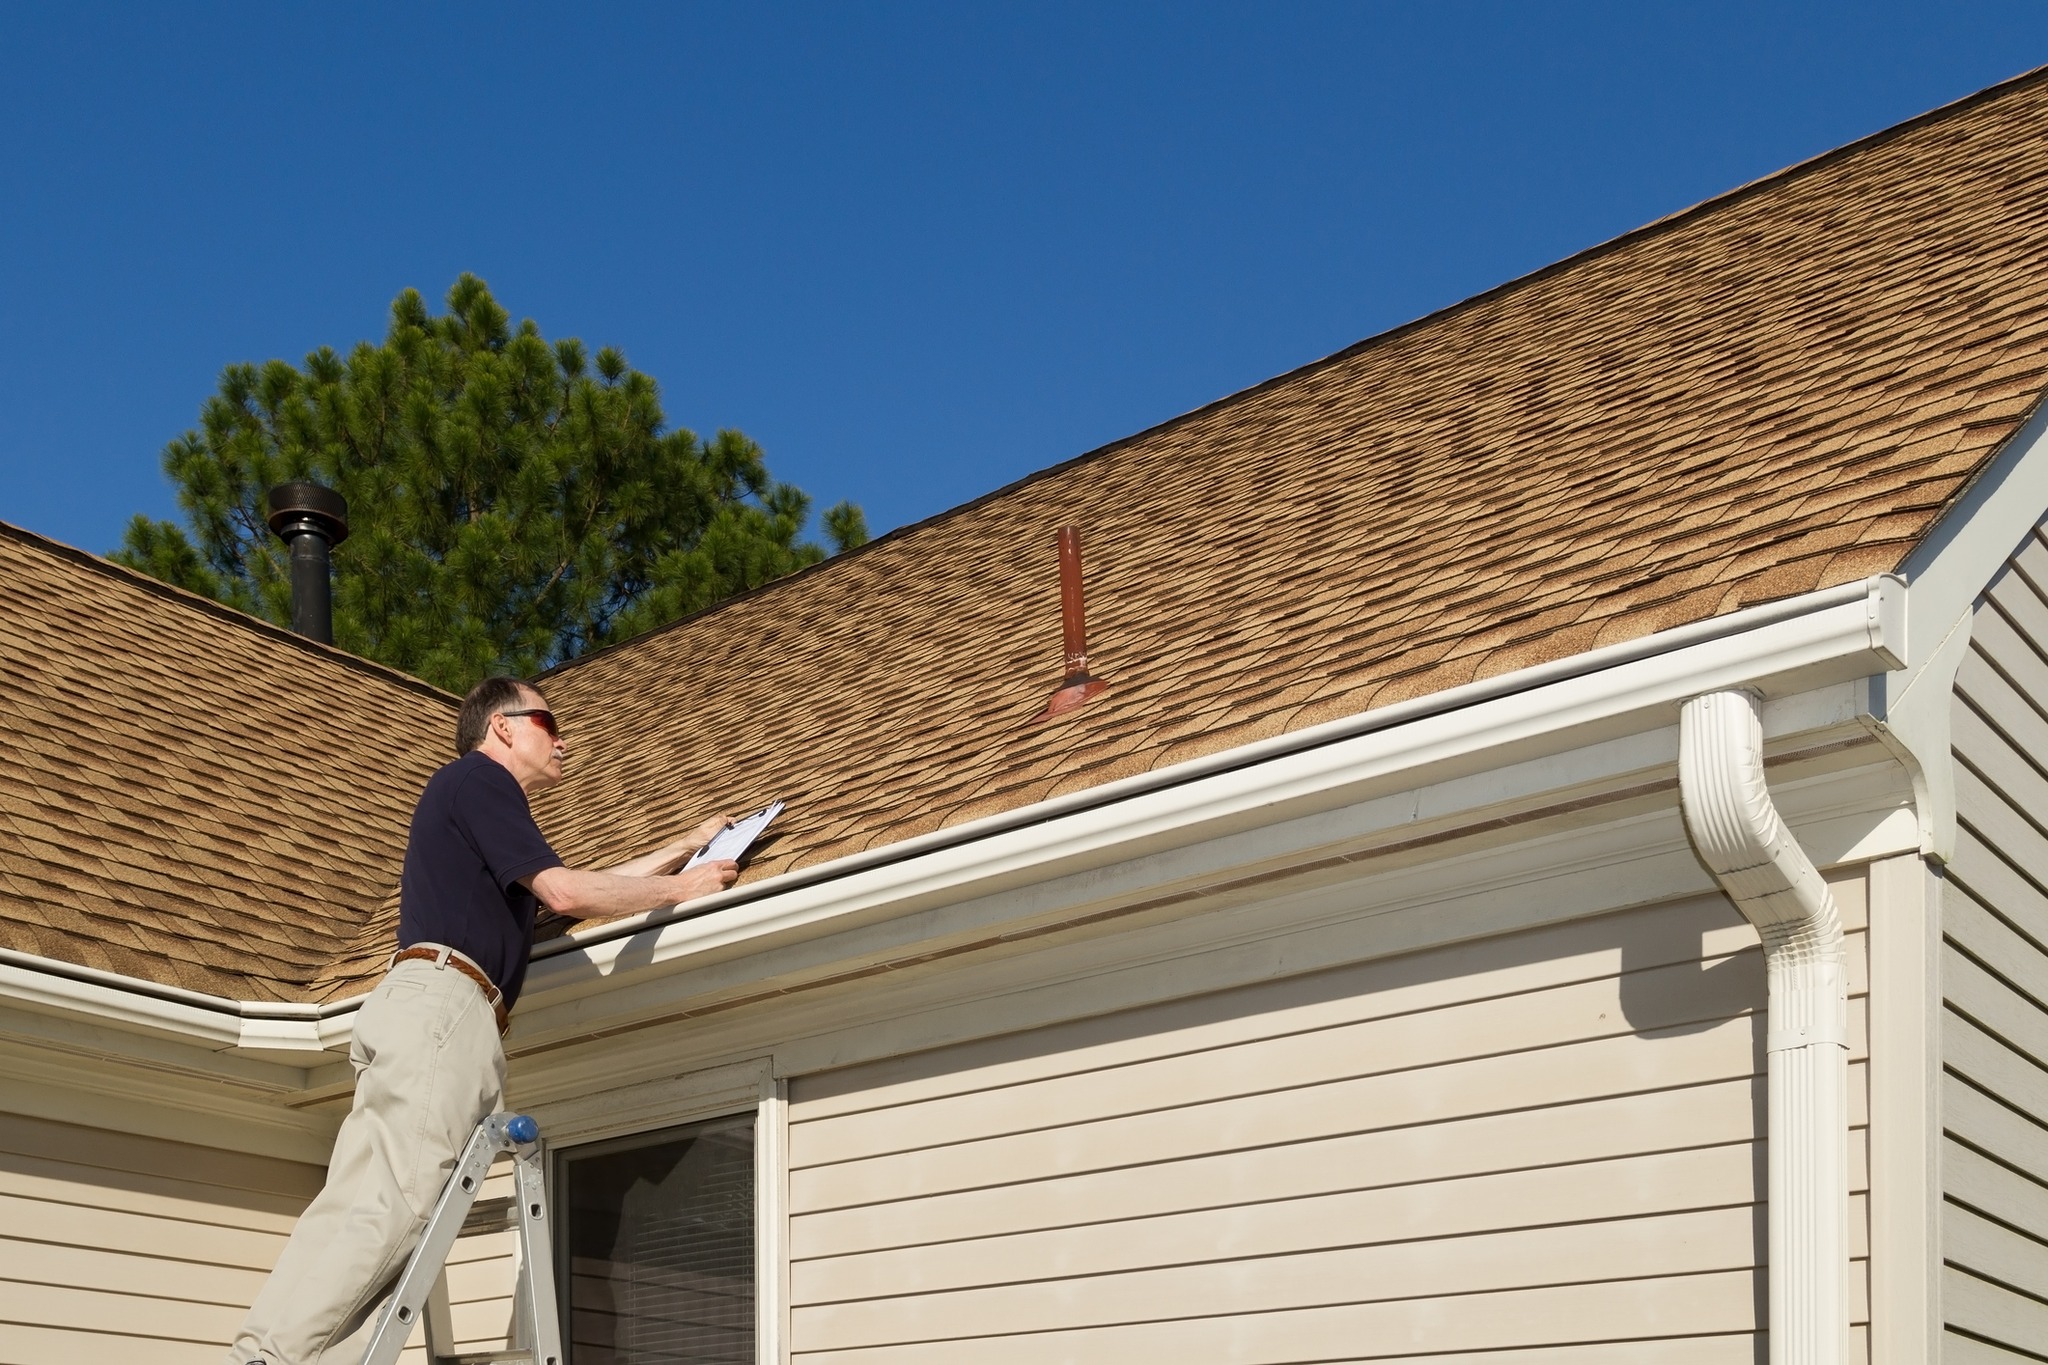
485, 700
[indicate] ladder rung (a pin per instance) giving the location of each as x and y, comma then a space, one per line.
485, 1358
490, 1215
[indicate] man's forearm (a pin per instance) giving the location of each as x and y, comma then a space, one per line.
581, 894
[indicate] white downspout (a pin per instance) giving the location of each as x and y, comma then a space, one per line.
1751, 853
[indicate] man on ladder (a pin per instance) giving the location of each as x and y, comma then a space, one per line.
428, 1060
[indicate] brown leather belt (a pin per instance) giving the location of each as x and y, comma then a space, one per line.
440, 956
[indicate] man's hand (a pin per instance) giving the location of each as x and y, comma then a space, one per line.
705, 878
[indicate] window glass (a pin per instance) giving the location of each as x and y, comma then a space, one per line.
659, 1246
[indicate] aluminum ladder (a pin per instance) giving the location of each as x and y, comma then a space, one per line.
422, 1289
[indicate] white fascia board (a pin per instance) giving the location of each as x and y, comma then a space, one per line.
31, 984
1808, 644
1948, 571
1957, 560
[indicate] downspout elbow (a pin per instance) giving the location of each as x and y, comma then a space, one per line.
1746, 845
1739, 835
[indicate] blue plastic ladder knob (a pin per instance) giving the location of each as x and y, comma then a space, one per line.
522, 1128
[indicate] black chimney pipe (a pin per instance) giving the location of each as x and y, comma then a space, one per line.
310, 518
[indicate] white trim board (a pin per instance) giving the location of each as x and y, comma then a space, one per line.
1958, 558
1905, 1112
105, 1093
1951, 567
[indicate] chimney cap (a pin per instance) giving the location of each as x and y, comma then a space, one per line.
302, 505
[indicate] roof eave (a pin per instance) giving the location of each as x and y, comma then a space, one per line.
1838, 635
601, 980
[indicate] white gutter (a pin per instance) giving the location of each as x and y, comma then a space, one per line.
209, 1020
1853, 630
1744, 843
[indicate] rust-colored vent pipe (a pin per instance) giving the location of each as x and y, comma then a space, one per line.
1078, 686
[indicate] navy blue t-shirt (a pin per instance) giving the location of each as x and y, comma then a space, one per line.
472, 839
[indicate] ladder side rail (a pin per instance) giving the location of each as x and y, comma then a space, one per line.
537, 1258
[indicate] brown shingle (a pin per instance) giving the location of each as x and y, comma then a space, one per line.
170, 760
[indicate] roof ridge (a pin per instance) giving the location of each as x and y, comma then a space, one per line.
186, 598
1654, 228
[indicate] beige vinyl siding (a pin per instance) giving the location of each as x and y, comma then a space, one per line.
1539, 1147
1994, 976
132, 1251
482, 1271
135, 1251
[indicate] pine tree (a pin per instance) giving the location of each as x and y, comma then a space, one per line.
512, 504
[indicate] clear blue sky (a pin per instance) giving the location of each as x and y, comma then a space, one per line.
917, 251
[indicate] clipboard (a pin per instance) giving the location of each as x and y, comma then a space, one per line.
736, 838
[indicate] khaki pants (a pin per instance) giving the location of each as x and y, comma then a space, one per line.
428, 1069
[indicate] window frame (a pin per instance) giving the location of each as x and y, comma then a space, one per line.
608, 1116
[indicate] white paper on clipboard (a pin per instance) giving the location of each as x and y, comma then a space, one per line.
736, 838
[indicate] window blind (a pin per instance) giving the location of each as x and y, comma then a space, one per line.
660, 1247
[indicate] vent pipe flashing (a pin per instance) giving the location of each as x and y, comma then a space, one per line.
1076, 687
1742, 840
311, 519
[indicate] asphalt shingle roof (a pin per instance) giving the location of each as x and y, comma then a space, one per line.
192, 797
1778, 391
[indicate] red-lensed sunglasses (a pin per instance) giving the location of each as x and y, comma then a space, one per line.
544, 719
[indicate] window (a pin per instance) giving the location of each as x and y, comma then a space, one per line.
659, 1246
